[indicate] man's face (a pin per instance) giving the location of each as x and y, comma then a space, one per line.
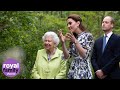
106, 24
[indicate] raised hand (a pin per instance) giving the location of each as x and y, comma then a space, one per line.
70, 37
62, 37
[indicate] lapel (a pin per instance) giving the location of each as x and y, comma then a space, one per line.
44, 55
101, 45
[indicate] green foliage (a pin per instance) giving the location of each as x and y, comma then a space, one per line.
26, 28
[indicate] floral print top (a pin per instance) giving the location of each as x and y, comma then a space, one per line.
80, 68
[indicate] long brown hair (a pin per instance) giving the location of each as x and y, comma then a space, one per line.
76, 18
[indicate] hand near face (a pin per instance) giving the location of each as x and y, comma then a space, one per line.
70, 37
62, 37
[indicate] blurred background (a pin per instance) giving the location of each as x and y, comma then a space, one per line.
21, 33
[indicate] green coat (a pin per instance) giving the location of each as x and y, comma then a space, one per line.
54, 69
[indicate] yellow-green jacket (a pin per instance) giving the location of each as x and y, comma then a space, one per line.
53, 69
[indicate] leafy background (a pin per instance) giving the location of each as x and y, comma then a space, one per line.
23, 30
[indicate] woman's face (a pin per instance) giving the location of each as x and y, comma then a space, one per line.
49, 43
72, 25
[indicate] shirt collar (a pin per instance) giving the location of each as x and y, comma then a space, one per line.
109, 34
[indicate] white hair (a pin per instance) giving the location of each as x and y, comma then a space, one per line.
54, 36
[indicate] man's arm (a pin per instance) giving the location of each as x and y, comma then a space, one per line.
107, 68
94, 58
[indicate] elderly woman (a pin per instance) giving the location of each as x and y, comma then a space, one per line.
49, 63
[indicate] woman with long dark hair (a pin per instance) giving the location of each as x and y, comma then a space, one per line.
81, 43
